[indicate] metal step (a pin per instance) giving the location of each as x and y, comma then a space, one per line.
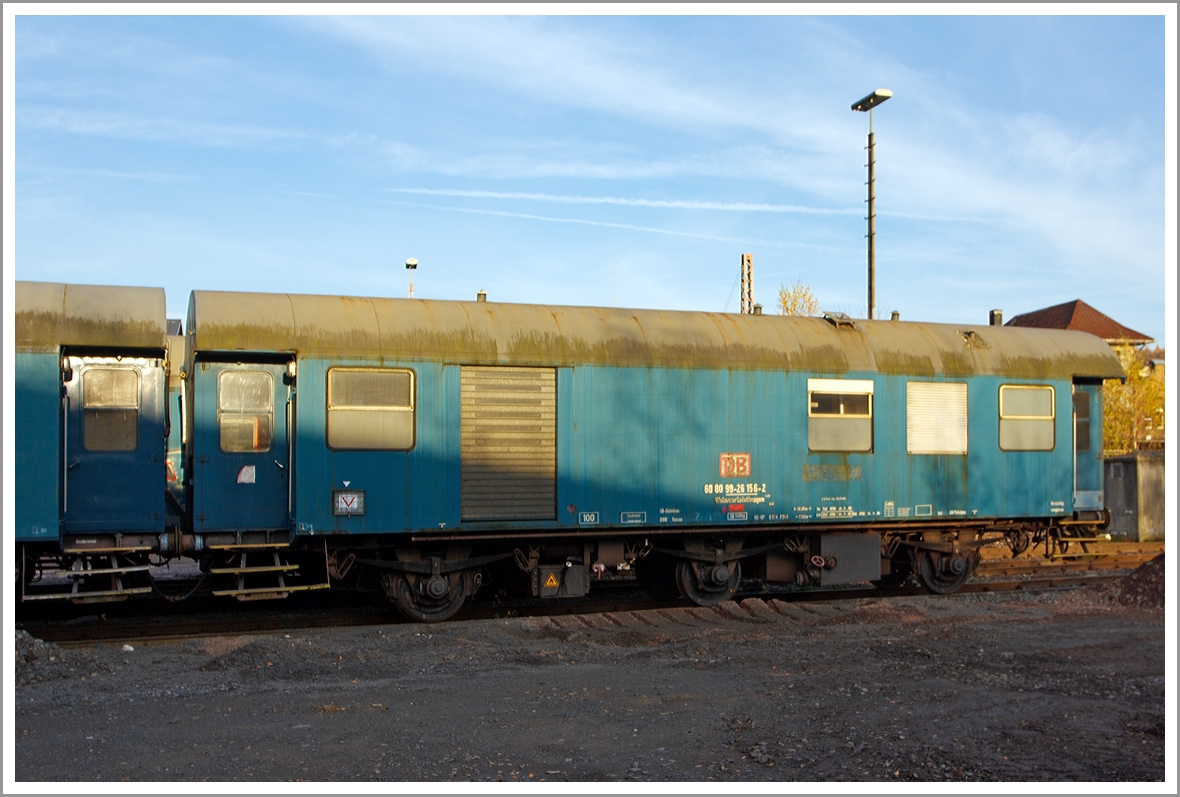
268, 569
262, 593
103, 572
102, 596
124, 549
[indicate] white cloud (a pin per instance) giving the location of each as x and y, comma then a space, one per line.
679, 204
117, 125
593, 223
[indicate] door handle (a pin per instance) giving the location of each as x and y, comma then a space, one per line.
72, 465
281, 465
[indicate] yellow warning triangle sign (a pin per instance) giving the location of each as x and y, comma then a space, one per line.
552, 580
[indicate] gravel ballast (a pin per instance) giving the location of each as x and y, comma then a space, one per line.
1012, 686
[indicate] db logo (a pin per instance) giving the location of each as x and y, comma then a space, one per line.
735, 466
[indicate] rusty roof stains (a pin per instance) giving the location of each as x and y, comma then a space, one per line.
1082, 317
490, 333
50, 315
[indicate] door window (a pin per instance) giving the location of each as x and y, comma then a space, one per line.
245, 410
110, 403
1081, 411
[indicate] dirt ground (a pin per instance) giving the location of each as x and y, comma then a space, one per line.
1043, 687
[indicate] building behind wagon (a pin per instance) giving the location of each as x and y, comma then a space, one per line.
1135, 495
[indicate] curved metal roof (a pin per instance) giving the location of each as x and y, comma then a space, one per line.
50, 315
497, 333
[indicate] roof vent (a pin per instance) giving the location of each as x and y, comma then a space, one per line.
996, 318
481, 296
839, 320
973, 340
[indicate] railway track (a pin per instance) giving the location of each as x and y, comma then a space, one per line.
206, 619
1082, 564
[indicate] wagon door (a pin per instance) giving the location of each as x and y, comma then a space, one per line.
113, 445
241, 454
1087, 444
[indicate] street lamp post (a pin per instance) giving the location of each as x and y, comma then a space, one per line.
867, 104
411, 266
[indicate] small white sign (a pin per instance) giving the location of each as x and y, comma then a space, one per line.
246, 475
348, 502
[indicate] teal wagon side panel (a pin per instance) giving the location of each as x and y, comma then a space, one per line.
404, 490
646, 446
38, 446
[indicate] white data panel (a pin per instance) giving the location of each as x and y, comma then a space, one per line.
936, 417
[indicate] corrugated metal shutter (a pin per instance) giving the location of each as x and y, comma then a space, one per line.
936, 417
508, 443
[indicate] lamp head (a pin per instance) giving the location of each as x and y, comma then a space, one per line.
876, 98
411, 263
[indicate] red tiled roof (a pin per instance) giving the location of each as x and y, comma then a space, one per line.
1082, 317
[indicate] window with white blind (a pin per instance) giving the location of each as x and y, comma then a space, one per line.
936, 417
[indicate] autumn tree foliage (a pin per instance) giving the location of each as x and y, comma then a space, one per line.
1133, 411
797, 300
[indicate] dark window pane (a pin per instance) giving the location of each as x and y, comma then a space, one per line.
1083, 435
854, 404
1081, 406
110, 430
246, 431
840, 404
825, 403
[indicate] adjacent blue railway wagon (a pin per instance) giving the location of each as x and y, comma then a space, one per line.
420, 448
90, 424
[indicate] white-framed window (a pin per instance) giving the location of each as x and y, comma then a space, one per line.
1027, 414
840, 415
936, 417
370, 409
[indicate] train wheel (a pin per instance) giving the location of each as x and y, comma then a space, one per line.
429, 599
708, 584
943, 575
656, 575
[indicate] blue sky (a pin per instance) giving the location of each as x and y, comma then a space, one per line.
1020, 162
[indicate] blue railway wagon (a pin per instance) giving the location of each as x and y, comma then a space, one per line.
427, 440
90, 425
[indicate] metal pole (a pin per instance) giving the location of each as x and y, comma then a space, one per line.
872, 226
